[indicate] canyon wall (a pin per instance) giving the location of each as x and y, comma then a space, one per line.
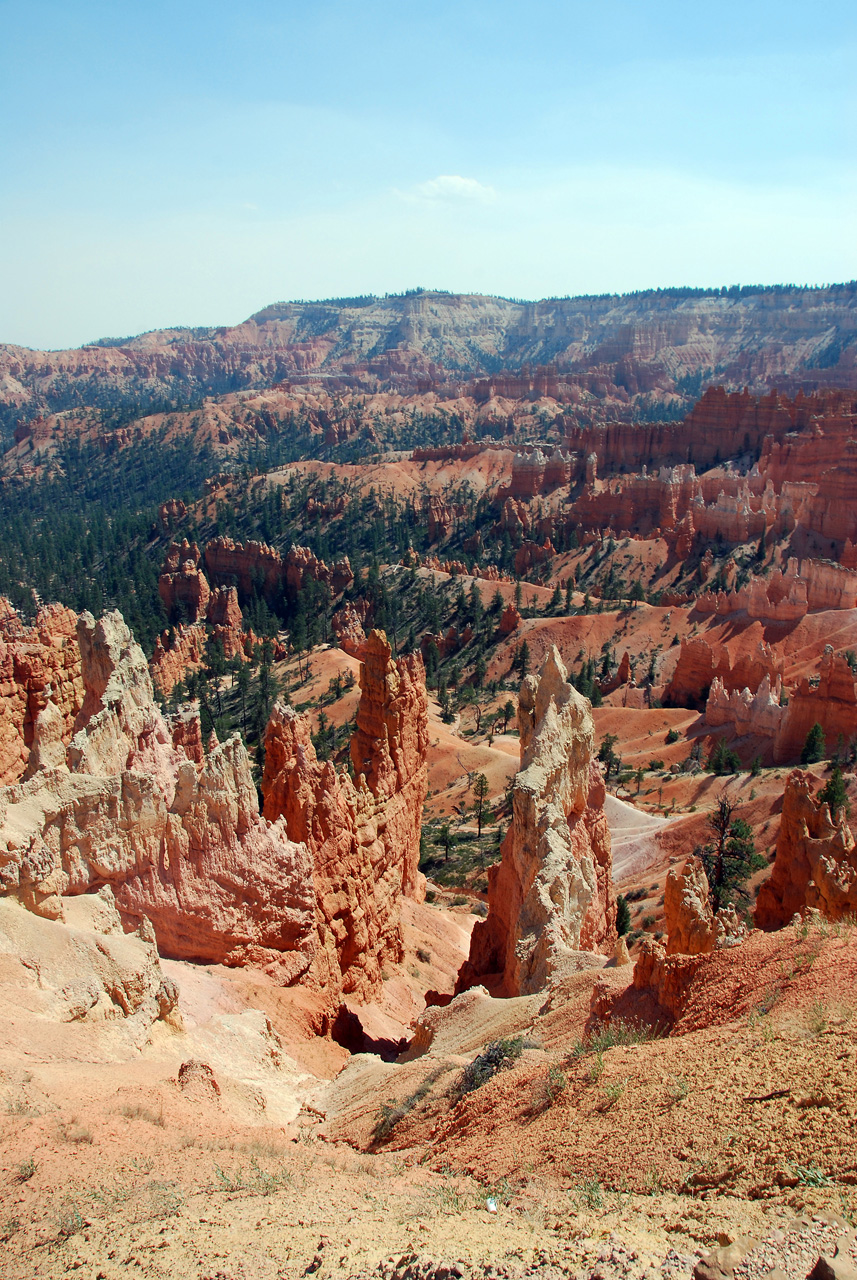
39, 664
759, 709
611, 348
310, 890
831, 701
721, 425
805, 586
805, 476
176, 833
552, 893
701, 664
363, 835
254, 565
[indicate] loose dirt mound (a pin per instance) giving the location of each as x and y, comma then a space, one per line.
755, 1082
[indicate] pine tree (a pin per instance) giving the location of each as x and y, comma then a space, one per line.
813, 747
731, 858
834, 793
480, 790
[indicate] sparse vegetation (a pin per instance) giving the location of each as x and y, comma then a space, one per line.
817, 1018
589, 1194
609, 1035
678, 1090
25, 1170
614, 1090
810, 1175
390, 1113
252, 1178
136, 1111
495, 1057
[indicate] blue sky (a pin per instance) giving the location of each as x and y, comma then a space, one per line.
189, 163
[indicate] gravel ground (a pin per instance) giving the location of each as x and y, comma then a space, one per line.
792, 1253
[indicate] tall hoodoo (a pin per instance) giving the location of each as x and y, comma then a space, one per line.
552, 893
363, 835
390, 747
816, 860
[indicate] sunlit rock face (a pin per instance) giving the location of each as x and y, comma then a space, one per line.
552, 893
363, 834
816, 860
176, 833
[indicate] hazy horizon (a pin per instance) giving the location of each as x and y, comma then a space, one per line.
185, 166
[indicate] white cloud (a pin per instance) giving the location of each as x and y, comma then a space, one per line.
451, 186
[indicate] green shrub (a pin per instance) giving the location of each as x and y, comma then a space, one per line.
723, 759
495, 1057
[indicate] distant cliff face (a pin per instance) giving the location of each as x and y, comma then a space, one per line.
622, 347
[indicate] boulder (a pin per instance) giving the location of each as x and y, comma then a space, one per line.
84, 969
510, 620
693, 928
689, 919
347, 626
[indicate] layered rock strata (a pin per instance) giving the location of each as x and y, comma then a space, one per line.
175, 833
39, 669
816, 860
552, 893
363, 835
828, 699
